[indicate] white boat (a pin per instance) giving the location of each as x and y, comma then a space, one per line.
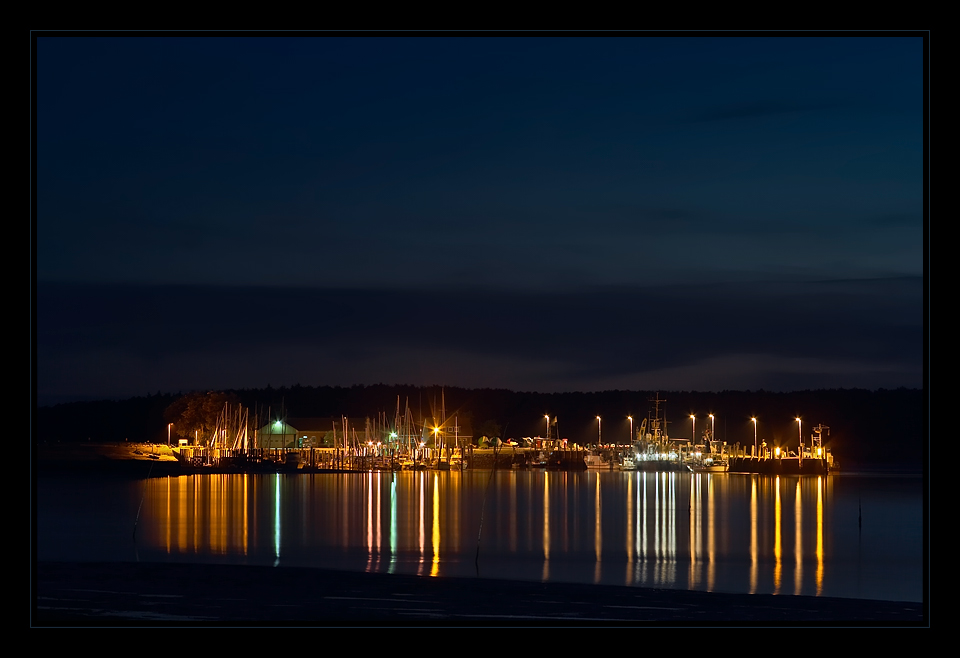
628, 464
596, 461
708, 466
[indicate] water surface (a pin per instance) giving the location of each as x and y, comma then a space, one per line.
838, 535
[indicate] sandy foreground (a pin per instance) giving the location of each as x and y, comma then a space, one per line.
148, 594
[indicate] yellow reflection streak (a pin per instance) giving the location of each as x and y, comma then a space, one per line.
711, 535
754, 558
776, 543
628, 538
423, 545
798, 542
819, 534
369, 518
692, 512
436, 525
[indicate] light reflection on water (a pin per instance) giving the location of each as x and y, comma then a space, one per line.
715, 532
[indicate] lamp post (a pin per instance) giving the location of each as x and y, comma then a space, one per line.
169, 425
546, 417
755, 436
630, 418
599, 433
800, 430
693, 428
713, 434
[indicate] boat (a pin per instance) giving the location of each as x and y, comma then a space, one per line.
708, 465
628, 464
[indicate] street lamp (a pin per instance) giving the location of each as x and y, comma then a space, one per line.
693, 428
599, 434
800, 430
713, 434
630, 418
169, 425
754, 436
546, 417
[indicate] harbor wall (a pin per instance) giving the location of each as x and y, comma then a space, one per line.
785, 466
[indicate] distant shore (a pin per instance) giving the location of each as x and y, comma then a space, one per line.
124, 594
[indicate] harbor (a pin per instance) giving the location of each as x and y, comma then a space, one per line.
239, 443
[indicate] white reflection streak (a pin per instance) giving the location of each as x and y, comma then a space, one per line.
276, 521
672, 537
642, 534
369, 519
379, 528
628, 540
656, 517
393, 523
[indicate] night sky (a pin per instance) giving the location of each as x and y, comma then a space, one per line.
652, 212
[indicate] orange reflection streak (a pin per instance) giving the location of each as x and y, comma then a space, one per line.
776, 543
245, 537
436, 525
182, 513
546, 526
798, 542
513, 513
819, 534
196, 510
754, 558
169, 518
692, 512
597, 533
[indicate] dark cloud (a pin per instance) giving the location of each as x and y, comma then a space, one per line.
572, 340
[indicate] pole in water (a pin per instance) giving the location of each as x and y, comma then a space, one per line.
140, 506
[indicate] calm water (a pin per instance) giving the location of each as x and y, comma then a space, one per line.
717, 532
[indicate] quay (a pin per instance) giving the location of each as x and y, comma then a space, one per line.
778, 466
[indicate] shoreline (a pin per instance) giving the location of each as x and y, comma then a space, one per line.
178, 594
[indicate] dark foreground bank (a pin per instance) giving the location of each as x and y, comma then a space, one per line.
116, 594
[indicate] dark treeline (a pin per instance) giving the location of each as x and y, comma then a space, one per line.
883, 426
